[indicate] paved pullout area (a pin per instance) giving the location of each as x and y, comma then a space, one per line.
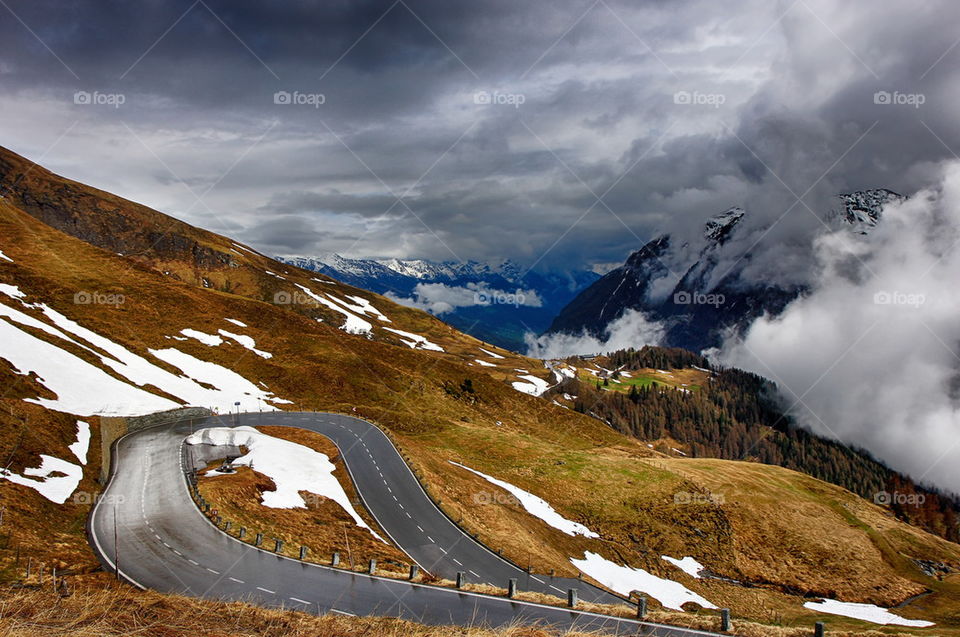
146, 524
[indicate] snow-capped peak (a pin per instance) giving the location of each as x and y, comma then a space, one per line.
719, 227
862, 208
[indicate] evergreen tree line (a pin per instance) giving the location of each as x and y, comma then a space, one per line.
736, 417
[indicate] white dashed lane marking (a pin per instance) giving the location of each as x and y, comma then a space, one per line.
266, 590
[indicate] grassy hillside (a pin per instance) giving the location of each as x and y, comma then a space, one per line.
780, 534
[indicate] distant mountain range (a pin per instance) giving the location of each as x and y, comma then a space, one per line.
497, 303
711, 293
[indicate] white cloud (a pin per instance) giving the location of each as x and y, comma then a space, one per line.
871, 353
440, 298
632, 329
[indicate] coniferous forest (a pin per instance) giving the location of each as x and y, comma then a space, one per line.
737, 416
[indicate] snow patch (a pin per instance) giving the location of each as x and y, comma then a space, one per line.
236, 322
292, 467
483, 363
207, 339
353, 325
54, 488
490, 354
415, 341
865, 612
247, 342
688, 565
82, 445
5, 257
535, 386
625, 579
536, 506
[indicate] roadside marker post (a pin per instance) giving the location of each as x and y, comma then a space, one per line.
512, 588
725, 620
572, 598
819, 629
461, 579
642, 607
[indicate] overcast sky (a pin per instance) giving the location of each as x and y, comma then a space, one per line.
558, 134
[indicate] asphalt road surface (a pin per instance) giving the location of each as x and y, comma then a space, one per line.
147, 526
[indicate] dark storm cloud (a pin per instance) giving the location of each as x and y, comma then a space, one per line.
399, 116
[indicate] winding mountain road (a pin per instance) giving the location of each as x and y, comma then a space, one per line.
146, 527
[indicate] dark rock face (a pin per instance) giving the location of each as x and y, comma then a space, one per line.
102, 219
711, 296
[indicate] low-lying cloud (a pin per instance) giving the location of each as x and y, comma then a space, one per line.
870, 355
632, 329
440, 298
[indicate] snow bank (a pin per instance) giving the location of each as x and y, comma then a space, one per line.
688, 565
865, 612
247, 342
353, 325
624, 580
85, 389
82, 445
415, 341
292, 467
214, 340
54, 488
207, 339
535, 386
536, 506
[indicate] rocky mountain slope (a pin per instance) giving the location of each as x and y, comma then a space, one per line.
187, 317
698, 294
498, 303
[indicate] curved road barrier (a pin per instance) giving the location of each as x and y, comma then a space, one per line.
147, 529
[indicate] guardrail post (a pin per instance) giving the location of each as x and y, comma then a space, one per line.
277, 545
258, 540
512, 587
461, 579
303, 552
243, 532
372, 568
642, 607
819, 630
725, 620
414, 571
227, 525
572, 598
